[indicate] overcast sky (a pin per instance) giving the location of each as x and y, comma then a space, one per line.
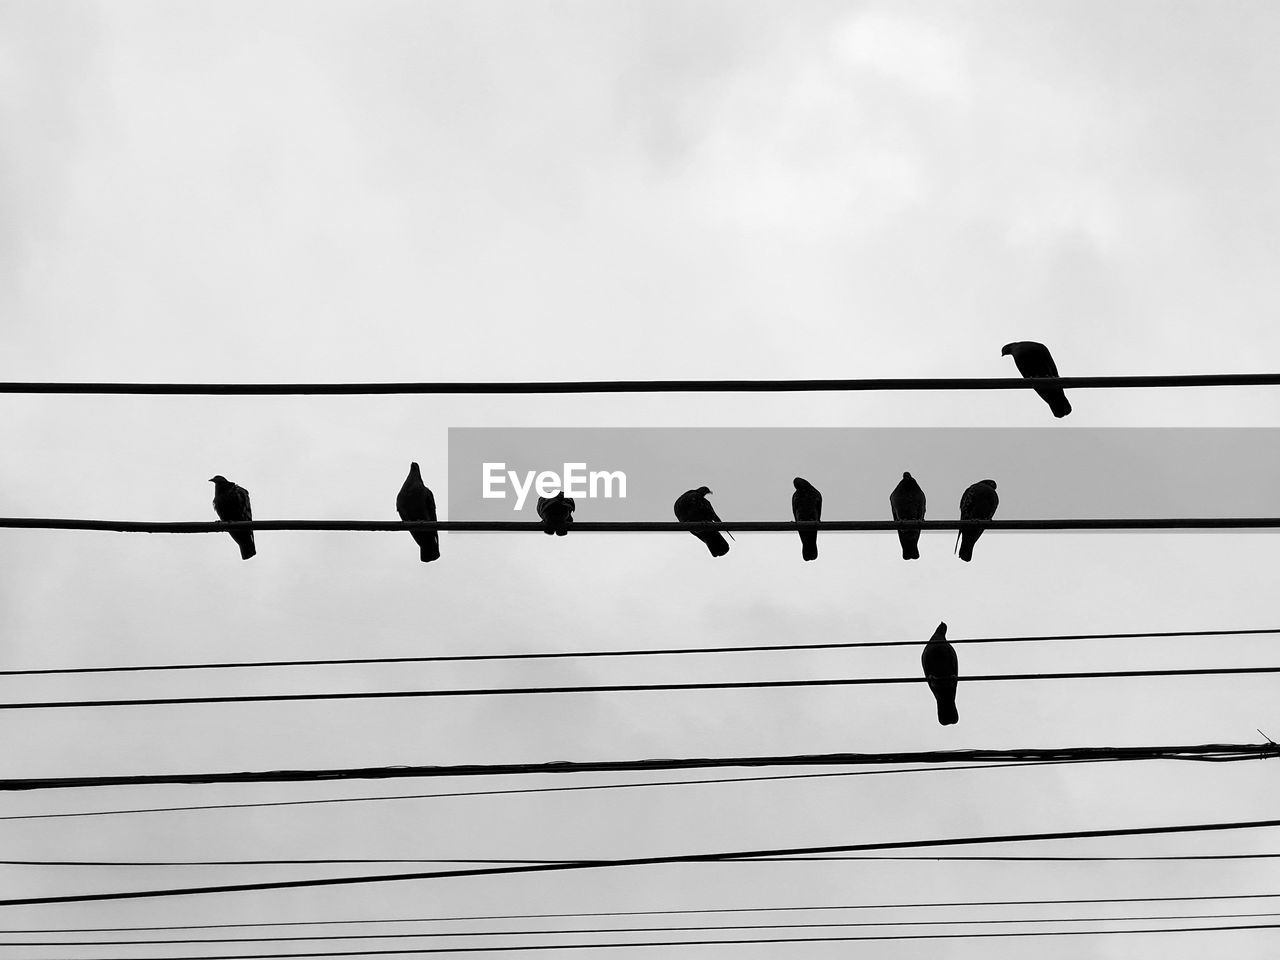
381, 190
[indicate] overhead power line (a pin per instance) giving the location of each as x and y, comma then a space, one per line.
642, 526
621, 688
1216, 752
644, 652
647, 386
635, 862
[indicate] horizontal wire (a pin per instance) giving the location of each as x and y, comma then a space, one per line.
634, 862
621, 688
596, 931
642, 526
684, 911
648, 652
1201, 752
646, 386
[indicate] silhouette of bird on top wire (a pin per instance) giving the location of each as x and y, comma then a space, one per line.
231, 503
942, 671
978, 503
556, 513
692, 506
416, 502
806, 504
907, 503
1034, 360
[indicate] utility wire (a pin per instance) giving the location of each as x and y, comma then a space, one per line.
642, 526
635, 862
619, 688
647, 386
1216, 752
645, 652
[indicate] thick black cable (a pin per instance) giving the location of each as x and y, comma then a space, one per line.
620, 688
637, 862
1202, 752
646, 652
645, 386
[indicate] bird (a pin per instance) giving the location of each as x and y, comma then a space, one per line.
692, 507
978, 502
1034, 360
231, 503
556, 513
907, 503
416, 502
941, 671
806, 504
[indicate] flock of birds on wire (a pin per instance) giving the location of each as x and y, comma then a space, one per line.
415, 502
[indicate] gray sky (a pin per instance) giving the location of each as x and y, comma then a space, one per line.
410, 191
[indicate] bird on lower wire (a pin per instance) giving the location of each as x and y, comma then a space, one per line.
942, 671
416, 502
978, 503
907, 503
1034, 360
692, 506
556, 513
231, 503
806, 504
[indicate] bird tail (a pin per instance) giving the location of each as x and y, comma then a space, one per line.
809, 544
715, 543
245, 540
947, 713
428, 543
967, 539
1057, 401
910, 540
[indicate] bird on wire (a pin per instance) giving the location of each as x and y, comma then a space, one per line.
806, 504
1034, 360
978, 503
231, 503
907, 503
692, 506
556, 513
942, 671
416, 502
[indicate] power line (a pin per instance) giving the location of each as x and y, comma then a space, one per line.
1217, 752
646, 386
642, 526
645, 652
575, 865
620, 688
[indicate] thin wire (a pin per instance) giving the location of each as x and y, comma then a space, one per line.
595, 931
642, 526
655, 913
646, 386
635, 862
1203, 752
648, 652
619, 688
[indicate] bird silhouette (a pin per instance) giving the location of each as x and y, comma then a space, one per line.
416, 502
907, 503
942, 670
231, 503
806, 504
978, 503
556, 513
692, 506
1034, 360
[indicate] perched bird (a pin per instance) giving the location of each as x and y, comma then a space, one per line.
806, 504
692, 507
979, 502
231, 503
415, 502
556, 513
942, 670
1033, 360
907, 503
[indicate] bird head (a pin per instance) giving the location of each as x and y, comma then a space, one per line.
413, 469
219, 479
1007, 349
906, 475
940, 633
990, 483
702, 491
800, 483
